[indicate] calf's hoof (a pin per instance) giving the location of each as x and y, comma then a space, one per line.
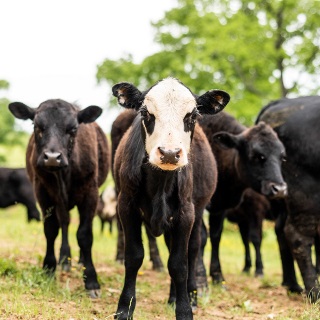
314, 295
157, 265
193, 300
259, 274
94, 293
293, 288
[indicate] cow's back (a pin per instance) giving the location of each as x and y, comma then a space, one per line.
297, 123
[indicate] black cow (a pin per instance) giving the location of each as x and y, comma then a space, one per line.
67, 160
246, 157
165, 174
297, 123
15, 187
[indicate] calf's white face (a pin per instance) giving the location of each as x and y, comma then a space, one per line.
168, 116
168, 143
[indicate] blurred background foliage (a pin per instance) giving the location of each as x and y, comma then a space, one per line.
257, 51
10, 135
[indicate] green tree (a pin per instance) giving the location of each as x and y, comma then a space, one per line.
8, 135
6, 118
256, 50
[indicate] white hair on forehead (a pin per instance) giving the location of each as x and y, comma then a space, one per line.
170, 95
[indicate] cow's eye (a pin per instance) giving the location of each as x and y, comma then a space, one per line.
72, 130
190, 120
38, 132
259, 157
283, 157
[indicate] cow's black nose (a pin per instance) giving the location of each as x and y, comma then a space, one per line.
52, 159
279, 190
169, 156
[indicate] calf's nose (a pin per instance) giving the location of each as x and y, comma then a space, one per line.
279, 190
52, 159
169, 156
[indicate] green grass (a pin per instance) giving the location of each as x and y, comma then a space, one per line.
27, 293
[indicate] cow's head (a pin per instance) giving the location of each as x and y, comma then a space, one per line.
168, 113
55, 127
261, 154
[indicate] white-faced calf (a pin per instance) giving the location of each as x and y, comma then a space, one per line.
165, 174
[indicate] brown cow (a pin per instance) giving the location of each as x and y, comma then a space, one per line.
67, 161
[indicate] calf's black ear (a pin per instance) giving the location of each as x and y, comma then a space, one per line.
21, 111
128, 95
226, 140
212, 101
89, 114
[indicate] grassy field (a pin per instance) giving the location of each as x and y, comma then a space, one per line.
26, 293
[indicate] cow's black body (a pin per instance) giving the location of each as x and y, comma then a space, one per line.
67, 160
246, 158
15, 187
297, 123
157, 188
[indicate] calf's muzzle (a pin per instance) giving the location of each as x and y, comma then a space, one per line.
52, 159
169, 156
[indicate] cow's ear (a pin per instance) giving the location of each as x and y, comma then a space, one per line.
128, 95
226, 140
212, 101
21, 111
89, 114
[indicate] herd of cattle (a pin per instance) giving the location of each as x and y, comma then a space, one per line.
174, 154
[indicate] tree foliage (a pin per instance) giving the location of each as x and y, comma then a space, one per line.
8, 134
256, 50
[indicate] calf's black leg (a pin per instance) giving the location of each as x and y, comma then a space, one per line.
154, 252
287, 262
134, 254
85, 241
300, 245
244, 231
51, 230
178, 265
201, 273
216, 226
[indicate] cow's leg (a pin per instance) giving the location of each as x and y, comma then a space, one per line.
216, 225
195, 259
317, 251
172, 295
154, 252
244, 231
51, 227
201, 273
255, 236
287, 262
178, 264
65, 252
51, 230
120, 242
300, 245
85, 240
134, 254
